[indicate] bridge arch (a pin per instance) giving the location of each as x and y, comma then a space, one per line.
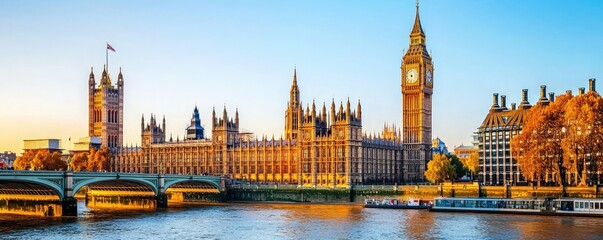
152, 186
49, 185
192, 180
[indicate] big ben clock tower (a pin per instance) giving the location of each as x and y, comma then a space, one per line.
417, 88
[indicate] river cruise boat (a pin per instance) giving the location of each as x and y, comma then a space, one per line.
395, 204
540, 206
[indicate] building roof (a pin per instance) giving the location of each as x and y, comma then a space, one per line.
417, 28
505, 118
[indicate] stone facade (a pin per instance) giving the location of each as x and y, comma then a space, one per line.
496, 163
105, 109
417, 88
320, 148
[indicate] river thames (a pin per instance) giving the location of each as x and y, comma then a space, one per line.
294, 221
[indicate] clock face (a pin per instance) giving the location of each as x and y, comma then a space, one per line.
429, 77
412, 75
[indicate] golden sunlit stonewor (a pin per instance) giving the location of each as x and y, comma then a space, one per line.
417, 88
320, 147
105, 109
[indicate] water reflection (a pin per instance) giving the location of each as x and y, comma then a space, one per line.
34, 205
292, 221
416, 224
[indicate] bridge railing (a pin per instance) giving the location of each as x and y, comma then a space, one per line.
31, 172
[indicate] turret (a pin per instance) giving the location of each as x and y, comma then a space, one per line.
552, 96
581, 91
237, 117
224, 115
348, 110
359, 111
591, 85
120, 79
307, 113
213, 117
324, 112
194, 130
105, 81
91, 81
142, 124
333, 111
294, 93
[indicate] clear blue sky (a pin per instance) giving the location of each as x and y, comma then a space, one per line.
241, 54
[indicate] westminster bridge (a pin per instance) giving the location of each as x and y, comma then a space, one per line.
52, 193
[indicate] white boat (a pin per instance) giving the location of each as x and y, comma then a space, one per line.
539, 206
394, 203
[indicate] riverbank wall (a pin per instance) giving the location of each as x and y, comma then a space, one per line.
358, 194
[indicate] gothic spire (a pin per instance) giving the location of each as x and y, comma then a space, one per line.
294, 94
295, 76
417, 29
359, 110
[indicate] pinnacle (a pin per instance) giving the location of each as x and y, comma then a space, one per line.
417, 28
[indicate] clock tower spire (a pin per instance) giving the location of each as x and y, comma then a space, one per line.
417, 89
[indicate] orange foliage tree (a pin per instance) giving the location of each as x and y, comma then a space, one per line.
23, 162
79, 162
538, 148
96, 160
527, 146
553, 135
583, 137
566, 135
40, 160
102, 160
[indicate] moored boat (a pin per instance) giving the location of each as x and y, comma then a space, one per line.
538, 206
395, 204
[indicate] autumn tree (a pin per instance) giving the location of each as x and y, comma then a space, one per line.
440, 168
99, 160
583, 137
471, 163
527, 148
566, 135
40, 160
79, 161
23, 162
102, 159
552, 136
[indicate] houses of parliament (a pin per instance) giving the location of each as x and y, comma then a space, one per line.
321, 146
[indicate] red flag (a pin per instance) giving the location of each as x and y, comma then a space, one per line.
110, 48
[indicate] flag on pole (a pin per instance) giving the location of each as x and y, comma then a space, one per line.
110, 48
